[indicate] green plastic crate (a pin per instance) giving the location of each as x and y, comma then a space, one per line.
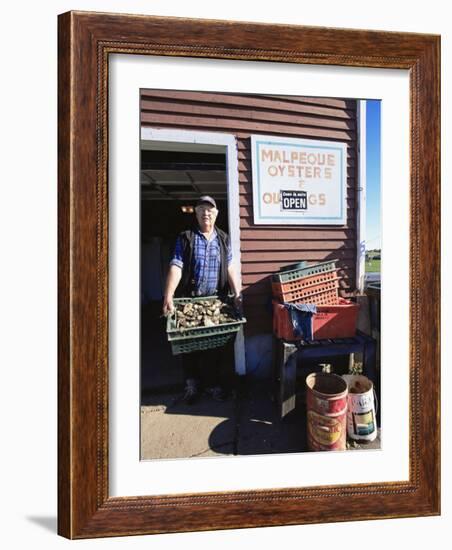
199, 338
313, 269
292, 267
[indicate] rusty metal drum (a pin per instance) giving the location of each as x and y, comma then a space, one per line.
326, 399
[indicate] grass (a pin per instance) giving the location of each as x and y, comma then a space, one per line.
373, 266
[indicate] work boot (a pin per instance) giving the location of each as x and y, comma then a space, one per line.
191, 392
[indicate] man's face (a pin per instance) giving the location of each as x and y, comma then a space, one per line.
206, 214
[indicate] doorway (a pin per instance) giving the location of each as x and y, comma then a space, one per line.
173, 174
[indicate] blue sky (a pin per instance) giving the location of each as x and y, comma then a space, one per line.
373, 154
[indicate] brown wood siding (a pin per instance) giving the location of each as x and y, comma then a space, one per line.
264, 248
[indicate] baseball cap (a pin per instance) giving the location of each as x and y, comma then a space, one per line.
206, 198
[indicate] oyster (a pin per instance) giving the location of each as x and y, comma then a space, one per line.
208, 322
205, 313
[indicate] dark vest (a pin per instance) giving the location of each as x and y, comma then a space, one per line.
187, 283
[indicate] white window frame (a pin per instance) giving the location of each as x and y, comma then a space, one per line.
210, 142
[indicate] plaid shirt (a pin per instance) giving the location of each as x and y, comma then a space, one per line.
206, 258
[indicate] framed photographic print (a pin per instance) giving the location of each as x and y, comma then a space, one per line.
248, 275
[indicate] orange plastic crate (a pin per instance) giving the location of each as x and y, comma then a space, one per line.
321, 288
330, 321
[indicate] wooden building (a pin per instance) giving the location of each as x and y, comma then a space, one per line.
178, 165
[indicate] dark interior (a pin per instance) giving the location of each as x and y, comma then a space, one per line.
169, 180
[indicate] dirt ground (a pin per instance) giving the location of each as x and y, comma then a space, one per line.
246, 424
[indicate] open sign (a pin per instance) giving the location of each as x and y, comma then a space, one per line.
294, 200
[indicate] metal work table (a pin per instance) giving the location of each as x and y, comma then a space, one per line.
288, 355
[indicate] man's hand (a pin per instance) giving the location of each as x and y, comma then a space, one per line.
234, 283
172, 280
238, 303
168, 305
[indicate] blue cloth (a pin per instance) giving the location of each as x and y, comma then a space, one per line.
206, 262
301, 317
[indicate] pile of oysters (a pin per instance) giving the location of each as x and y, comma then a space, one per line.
204, 313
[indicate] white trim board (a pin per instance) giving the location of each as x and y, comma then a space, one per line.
361, 198
182, 140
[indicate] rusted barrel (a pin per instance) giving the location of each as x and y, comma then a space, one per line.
326, 399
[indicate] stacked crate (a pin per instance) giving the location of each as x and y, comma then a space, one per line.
316, 284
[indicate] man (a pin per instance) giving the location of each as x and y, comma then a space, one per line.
202, 266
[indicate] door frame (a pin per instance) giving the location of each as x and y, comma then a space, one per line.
210, 142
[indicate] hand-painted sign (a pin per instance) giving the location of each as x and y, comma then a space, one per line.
298, 181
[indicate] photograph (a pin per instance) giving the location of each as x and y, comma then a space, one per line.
260, 255
226, 224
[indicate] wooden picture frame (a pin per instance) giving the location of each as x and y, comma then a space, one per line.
85, 508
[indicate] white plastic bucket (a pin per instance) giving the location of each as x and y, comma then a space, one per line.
361, 408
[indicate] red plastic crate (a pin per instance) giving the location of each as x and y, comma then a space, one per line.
330, 321
319, 289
